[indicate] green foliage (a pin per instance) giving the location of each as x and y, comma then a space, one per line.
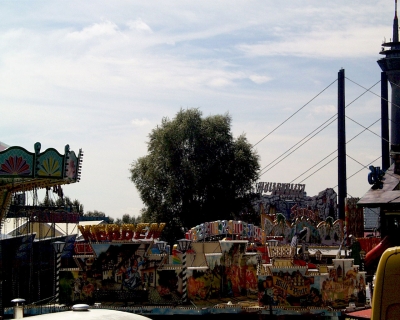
47, 201
127, 219
195, 171
73, 206
94, 213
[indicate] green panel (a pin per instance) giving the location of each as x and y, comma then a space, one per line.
50, 164
16, 162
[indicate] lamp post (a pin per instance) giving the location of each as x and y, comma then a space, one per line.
58, 249
161, 246
184, 245
271, 243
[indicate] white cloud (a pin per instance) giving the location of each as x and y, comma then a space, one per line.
259, 79
324, 43
139, 25
106, 28
140, 122
325, 109
219, 82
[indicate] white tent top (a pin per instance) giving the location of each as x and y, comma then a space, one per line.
91, 314
18, 226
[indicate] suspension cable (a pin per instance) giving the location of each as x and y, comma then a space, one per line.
294, 113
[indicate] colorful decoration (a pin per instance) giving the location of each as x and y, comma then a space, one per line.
376, 177
20, 163
15, 166
126, 232
238, 229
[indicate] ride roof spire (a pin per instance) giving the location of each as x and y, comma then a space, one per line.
395, 24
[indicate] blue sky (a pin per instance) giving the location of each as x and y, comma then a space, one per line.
101, 75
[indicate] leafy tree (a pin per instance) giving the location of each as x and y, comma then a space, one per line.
94, 213
47, 201
127, 219
73, 206
195, 171
78, 207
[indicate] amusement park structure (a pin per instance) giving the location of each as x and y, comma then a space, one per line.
26, 261
289, 265
308, 256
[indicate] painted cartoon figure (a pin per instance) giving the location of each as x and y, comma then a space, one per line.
131, 276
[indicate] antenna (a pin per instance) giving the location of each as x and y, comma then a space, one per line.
395, 24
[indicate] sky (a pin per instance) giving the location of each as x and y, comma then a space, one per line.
100, 75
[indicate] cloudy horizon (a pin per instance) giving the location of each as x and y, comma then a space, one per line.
100, 76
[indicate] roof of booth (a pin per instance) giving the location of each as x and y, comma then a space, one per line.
387, 196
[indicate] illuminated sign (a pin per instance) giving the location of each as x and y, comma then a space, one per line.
283, 189
242, 230
125, 232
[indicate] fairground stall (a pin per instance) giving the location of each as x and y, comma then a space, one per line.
304, 266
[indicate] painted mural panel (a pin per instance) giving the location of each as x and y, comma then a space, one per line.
113, 272
167, 288
136, 272
343, 284
288, 287
291, 286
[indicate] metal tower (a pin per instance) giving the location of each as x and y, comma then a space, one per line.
390, 65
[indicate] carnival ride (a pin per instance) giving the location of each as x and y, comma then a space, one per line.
27, 257
21, 171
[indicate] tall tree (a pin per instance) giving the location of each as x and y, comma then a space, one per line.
127, 219
94, 213
195, 171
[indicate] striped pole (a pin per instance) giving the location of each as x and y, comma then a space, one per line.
184, 290
57, 280
184, 245
58, 249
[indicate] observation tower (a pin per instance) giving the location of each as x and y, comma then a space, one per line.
390, 65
